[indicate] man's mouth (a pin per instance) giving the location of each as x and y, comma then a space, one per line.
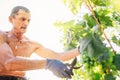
23, 27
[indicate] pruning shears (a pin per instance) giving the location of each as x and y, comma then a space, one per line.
72, 66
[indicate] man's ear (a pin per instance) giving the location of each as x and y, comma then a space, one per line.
10, 19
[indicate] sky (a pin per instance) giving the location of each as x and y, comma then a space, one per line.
41, 29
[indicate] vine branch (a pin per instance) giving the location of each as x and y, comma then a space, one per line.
101, 28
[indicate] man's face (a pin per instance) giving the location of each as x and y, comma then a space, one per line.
20, 22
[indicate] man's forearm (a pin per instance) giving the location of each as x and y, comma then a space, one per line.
69, 54
23, 64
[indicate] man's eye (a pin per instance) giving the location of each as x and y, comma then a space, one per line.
29, 20
23, 19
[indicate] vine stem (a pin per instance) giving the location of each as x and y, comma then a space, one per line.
101, 28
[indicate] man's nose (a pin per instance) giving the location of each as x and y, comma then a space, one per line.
26, 23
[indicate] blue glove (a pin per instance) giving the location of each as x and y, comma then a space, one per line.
58, 68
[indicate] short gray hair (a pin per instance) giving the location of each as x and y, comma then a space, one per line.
17, 8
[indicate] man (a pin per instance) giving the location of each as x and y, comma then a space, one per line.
15, 48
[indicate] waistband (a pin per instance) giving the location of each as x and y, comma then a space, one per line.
12, 78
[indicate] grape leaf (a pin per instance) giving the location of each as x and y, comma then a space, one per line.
109, 77
116, 61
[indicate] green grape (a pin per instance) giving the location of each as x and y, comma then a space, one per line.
92, 63
86, 65
85, 59
96, 76
98, 69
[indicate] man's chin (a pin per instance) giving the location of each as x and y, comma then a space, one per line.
19, 35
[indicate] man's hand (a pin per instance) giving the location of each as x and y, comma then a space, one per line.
58, 68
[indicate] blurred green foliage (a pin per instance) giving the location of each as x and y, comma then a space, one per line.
94, 33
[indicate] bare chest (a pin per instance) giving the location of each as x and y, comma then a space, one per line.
21, 48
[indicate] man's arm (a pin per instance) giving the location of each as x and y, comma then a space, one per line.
18, 63
11, 63
64, 56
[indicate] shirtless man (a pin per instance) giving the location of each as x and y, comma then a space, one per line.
15, 48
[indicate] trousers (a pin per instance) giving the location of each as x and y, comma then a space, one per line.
12, 78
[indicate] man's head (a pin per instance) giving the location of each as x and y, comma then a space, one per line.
19, 18
17, 8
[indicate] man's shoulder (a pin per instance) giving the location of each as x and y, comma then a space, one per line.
3, 36
33, 42
3, 33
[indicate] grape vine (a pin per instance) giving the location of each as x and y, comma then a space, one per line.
100, 59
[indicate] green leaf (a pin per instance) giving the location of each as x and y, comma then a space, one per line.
90, 20
97, 44
116, 40
116, 61
101, 2
103, 16
73, 5
90, 50
109, 77
84, 44
105, 20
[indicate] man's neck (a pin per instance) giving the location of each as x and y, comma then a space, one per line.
17, 36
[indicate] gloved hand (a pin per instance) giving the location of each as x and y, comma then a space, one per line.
58, 68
